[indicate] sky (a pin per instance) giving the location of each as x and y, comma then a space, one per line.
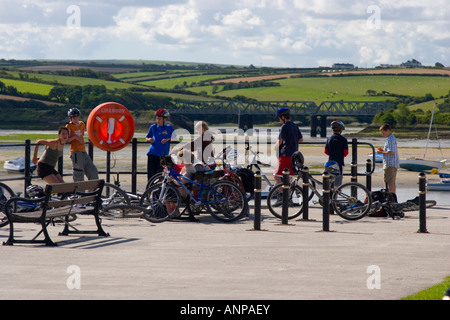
272, 33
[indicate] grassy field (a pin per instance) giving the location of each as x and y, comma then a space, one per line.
171, 83
74, 81
31, 87
342, 88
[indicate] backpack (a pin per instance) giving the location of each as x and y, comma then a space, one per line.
247, 177
381, 196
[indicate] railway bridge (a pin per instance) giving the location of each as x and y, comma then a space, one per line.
246, 110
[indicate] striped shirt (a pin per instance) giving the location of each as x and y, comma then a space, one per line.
390, 160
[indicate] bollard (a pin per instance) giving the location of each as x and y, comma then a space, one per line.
326, 202
284, 212
369, 175
257, 197
305, 178
354, 171
422, 203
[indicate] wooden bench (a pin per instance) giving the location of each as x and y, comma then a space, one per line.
60, 200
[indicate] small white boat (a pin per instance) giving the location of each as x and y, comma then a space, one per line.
416, 164
18, 165
444, 185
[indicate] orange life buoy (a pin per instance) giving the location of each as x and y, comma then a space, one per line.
110, 126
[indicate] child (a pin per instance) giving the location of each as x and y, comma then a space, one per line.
82, 163
337, 148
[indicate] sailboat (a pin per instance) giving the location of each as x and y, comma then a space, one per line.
422, 164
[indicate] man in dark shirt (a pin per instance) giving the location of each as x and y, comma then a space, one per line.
289, 138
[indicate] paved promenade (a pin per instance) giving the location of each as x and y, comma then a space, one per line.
370, 259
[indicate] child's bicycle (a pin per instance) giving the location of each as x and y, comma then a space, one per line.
224, 200
350, 201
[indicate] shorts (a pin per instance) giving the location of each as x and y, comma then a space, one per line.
283, 163
390, 175
44, 170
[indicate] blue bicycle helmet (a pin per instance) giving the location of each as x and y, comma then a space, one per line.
283, 112
332, 167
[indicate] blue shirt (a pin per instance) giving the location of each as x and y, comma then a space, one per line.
158, 133
391, 160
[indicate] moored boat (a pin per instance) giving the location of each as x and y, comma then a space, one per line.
17, 165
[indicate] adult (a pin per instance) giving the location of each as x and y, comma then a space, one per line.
47, 162
289, 138
81, 162
159, 136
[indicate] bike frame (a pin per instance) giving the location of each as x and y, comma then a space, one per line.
203, 187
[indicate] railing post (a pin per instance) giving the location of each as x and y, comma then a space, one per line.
108, 166
257, 197
422, 203
326, 202
134, 166
284, 213
305, 195
27, 165
369, 175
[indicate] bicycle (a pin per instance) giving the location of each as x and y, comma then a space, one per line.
224, 200
5, 194
351, 201
118, 203
21, 205
256, 163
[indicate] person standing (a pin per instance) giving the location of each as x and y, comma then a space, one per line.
47, 162
336, 148
390, 158
159, 136
81, 162
289, 138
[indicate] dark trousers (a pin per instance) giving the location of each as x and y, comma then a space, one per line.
153, 165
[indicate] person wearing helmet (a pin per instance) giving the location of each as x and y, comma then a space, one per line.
289, 138
81, 162
336, 148
159, 136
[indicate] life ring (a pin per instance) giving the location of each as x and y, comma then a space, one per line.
110, 126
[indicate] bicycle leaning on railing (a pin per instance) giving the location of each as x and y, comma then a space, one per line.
224, 200
351, 201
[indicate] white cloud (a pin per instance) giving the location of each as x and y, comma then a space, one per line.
279, 32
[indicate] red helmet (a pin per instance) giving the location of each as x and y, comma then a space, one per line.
162, 113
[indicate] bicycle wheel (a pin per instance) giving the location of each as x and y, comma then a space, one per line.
124, 211
226, 202
162, 202
156, 178
295, 201
351, 201
113, 195
5, 194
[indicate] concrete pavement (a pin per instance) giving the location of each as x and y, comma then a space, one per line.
373, 258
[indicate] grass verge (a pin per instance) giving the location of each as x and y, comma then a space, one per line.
435, 292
